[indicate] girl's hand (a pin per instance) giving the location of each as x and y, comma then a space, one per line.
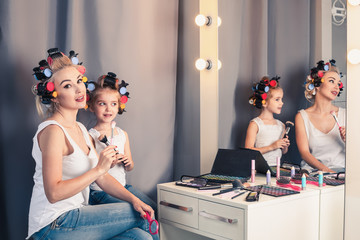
343, 133
127, 161
141, 207
281, 143
106, 158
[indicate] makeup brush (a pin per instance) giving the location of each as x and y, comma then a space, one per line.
288, 125
335, 117
113, 124
104, 139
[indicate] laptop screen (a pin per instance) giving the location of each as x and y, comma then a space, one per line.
261, 164
233, 162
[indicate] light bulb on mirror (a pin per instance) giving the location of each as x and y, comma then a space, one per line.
202, 64
219, 64
354, 56
201, 20
354, 2
219, 21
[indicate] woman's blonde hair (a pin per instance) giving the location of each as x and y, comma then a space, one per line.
315, 78
54, 63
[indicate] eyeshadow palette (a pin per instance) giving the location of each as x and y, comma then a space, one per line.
272, 190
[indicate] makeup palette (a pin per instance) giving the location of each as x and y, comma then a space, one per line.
272, 190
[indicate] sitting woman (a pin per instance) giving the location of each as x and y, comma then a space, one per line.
67, 163
319, 129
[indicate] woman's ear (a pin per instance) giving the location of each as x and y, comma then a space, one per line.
55, 100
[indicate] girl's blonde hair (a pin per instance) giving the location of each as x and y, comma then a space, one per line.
262, 90
112, 83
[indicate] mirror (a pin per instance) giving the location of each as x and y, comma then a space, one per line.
269, 37
282, 38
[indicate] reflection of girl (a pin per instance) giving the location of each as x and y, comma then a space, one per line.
67, 163
265, 133
320, 141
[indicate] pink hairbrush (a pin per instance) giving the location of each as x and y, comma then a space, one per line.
335, 117
285, 182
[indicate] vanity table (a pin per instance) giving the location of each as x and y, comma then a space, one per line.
186, 213
331, 211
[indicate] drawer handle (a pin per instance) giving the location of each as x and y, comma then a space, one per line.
216, 217
185, 209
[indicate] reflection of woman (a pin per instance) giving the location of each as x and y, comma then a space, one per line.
67, 163
321, 142
265, 133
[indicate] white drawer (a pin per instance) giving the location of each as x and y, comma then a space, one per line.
178, 208
221, 220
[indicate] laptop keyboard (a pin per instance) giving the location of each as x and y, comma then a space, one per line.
222, 178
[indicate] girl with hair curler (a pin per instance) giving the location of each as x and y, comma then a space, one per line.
107, 98
320, 136
265, 133
67, 163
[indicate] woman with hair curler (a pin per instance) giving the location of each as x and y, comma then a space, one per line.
67, 163
319, 129
265, 133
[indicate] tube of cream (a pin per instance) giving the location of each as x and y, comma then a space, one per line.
321, 178
268, 177
303, 182
253, 171
277, 167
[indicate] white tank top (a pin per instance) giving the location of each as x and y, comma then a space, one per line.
42, 212
327, 148
118, 171
267, 134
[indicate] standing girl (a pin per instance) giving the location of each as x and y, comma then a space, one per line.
107, 99
319, 129
67, 163
265, 133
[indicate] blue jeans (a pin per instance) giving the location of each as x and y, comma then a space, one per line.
101, 197
107, 221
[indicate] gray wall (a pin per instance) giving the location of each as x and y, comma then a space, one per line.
187, 125
260, 38
135, 39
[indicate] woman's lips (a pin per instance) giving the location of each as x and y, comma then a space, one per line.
80, 99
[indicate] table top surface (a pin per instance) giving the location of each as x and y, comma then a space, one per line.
264, 200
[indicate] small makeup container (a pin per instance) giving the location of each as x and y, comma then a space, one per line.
321, 178
268, 178
253, 171
292, 172
277, 168
303, 182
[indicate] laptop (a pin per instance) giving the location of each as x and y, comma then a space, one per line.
230, 164
262, 166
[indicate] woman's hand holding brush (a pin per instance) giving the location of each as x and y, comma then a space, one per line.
341, 129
